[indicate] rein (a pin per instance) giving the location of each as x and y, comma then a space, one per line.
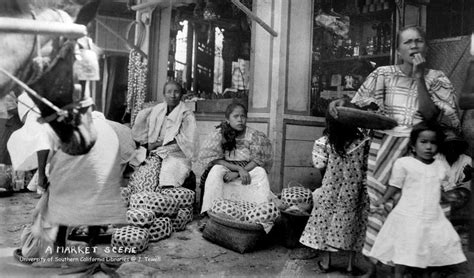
60, 113
66, 113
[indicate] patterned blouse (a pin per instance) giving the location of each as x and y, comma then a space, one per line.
254, 146
396, 95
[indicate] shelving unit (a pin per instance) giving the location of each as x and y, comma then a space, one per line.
355, 58
370, 38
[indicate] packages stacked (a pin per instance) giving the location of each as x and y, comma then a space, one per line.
153, 216
297, 199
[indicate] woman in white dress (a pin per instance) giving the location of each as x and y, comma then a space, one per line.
416, 232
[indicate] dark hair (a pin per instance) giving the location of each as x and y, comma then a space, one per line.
453, 145
408, 27
228, 133
362, 67
230, 108
172, 82
340, 135
424, 126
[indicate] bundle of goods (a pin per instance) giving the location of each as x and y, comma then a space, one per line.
297, 199
239, 225
153, 216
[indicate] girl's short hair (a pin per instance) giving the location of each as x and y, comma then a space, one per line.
408, 27
424, 126
230, 108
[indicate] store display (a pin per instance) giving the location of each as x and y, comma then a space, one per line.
369, 37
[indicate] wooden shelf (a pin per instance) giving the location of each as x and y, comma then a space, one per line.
383, 15
354, 58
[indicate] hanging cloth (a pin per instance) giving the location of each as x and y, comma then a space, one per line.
137, 83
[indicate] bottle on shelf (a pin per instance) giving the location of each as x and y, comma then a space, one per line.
348, 48
356, 49
370, 46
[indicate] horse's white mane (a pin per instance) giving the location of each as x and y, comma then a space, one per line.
18, 7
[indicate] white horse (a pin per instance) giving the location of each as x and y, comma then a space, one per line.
62, 103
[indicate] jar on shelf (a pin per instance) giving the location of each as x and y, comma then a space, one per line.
317, 54
370, 46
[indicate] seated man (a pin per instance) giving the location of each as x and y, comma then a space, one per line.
168, 130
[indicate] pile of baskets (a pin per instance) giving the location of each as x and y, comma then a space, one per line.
153, 216
238, 225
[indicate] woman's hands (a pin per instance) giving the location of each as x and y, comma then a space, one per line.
419, 64
155, 145
333, 106
242, 173
230, 176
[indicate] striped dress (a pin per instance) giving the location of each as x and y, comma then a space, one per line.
396, 95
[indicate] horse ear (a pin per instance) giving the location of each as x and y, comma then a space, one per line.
87, 12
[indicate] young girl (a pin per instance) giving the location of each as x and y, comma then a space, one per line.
339, 217
416, 232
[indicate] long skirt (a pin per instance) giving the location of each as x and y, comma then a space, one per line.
258, 191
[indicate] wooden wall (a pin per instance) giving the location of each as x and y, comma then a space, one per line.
298, 165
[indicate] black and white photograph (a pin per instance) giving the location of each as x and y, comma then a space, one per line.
237, 138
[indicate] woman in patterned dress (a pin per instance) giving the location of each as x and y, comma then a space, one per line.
238, 158
408, 93
339, 217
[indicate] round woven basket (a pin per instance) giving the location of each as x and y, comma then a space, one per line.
364, 119
233, 223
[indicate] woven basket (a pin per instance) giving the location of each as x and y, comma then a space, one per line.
293, 226
364, 119
232, 234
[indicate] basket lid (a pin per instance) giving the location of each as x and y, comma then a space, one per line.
364, 119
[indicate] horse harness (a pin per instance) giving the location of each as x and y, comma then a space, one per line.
39, 66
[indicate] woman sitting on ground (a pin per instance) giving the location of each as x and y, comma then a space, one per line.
168, 131
237, 158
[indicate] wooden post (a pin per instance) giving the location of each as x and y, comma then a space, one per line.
189, 56
30, 26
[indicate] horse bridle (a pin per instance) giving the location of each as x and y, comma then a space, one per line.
68, 113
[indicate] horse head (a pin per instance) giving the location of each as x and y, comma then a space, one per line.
62, 102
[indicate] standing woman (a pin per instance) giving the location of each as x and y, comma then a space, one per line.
239, 158
408, 93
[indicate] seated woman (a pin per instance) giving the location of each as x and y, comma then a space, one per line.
456, 191
238, 158
168, 131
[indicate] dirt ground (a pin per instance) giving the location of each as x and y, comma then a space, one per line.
184, 254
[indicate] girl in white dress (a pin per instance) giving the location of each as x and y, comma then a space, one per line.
416, 232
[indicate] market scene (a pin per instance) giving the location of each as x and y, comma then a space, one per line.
236, 138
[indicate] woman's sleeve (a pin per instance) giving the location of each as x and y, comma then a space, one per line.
398, 175
140, 127
261, 150
320, 153
443, 95
186, 138
210, 149
371, 91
